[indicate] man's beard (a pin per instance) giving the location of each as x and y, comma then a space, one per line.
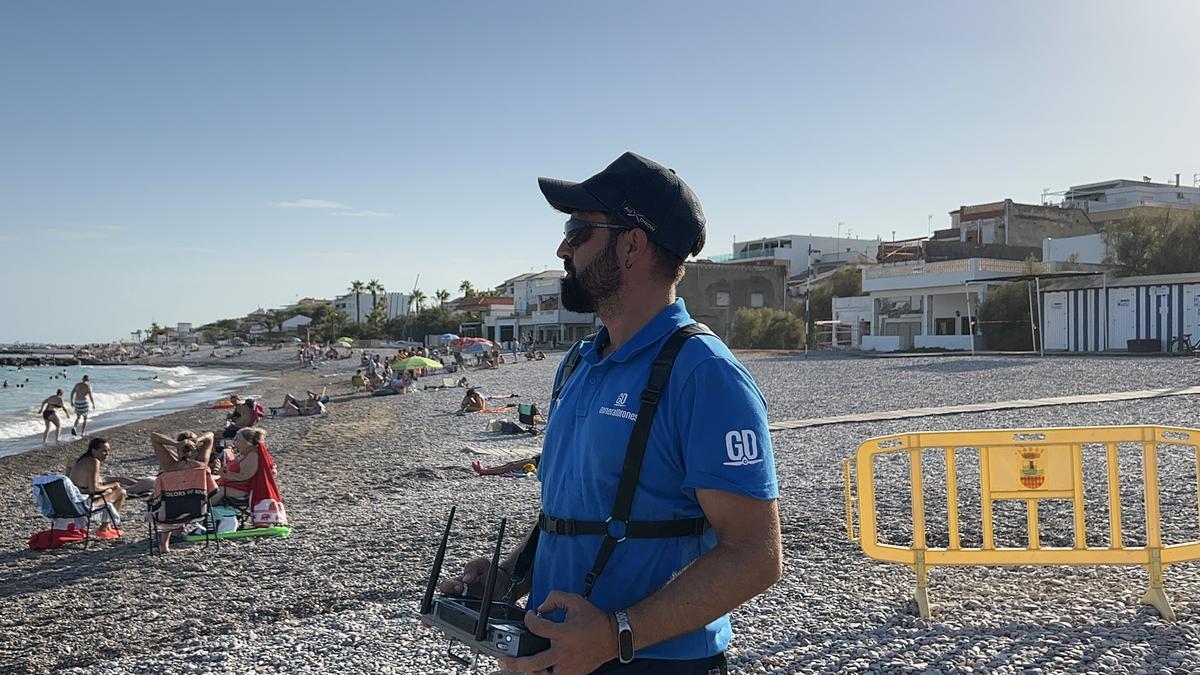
600, 281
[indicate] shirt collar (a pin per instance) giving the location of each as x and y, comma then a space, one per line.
664, 323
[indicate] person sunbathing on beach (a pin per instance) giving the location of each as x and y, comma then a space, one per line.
518, 466
294, 407
49, 412
85, 474
472, 402
358, 381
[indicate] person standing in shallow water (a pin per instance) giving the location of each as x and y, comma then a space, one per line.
81, 396
49, 412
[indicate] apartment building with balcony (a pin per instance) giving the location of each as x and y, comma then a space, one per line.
800, 252
930, 305
536, 312
357, 306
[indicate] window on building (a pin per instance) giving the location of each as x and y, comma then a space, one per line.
756, 299
943, 327
722, 298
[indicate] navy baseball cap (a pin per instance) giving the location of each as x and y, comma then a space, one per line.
640, 193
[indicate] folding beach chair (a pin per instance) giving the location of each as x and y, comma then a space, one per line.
528, 413
181, 497
59, 499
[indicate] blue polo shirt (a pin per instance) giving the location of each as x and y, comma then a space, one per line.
710, 432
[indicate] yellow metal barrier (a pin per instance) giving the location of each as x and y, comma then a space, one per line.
1027, 465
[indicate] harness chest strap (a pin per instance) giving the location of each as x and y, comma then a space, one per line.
618, 527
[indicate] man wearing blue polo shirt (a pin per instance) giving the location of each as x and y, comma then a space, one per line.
660, 604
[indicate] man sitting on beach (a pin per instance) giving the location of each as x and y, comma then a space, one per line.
85, 474
81, 395
358, 381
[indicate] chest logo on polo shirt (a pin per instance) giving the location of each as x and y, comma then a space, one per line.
621, 398
741, 445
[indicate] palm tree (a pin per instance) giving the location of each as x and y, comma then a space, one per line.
357, 287
467, 288
375, 288
443, 296
416, 298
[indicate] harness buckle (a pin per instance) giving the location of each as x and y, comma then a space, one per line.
608, 524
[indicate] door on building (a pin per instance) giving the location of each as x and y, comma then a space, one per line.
1191, 310
1122, 317
1055, 322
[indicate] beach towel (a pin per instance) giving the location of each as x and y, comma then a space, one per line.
81, 503
265, 500
52, 538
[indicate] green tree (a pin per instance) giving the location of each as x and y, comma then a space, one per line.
467, 289
357, 288
442, 296
1155, 245
417, 298
376, 289
331, 326
845, 283
1004, 318
766, 328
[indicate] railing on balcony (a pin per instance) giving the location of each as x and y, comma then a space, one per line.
886, 271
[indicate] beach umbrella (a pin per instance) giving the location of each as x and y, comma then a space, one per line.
478, 347
346, 340
415, 362
446, 337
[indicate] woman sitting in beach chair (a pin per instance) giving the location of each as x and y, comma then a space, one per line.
186, 451
247, 482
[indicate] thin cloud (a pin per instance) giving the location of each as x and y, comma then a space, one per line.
81, 233
310, 204
335, 208
362, 213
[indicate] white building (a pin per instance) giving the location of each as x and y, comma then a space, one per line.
1103, 313
537, 312
930, 305
799, 250
1125, 194
359, 308
296, 324
1088, 248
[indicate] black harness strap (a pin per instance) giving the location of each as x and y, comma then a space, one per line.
635, 453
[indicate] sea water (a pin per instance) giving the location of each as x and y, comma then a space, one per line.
123, 394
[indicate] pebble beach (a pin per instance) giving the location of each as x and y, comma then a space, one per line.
368, 486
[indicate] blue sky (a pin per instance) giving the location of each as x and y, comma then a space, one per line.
187, 162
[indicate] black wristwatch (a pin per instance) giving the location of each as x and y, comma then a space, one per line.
624, 637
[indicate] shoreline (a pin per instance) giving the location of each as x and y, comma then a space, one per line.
156, 406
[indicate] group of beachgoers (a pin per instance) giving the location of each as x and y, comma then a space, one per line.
82, 403
234, 474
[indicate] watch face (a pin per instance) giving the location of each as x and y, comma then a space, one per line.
625, 645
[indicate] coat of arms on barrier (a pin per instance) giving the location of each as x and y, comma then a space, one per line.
1033, 474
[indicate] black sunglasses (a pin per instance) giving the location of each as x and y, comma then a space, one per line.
577, 230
